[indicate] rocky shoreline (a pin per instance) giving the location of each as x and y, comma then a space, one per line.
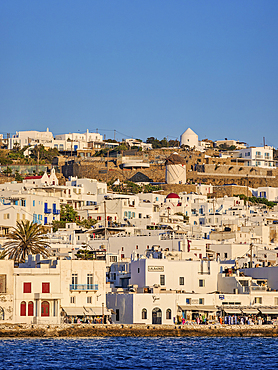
84, 330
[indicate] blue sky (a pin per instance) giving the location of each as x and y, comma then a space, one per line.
144, 68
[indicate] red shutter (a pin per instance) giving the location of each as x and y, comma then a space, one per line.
23, 308
30, 309
26, 287
45, 287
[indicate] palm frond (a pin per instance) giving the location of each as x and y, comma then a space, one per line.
26, 238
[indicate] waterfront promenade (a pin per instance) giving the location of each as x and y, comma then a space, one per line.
85, 330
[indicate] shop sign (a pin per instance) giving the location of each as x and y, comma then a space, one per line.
156, 268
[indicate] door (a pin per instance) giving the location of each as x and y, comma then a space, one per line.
157, 316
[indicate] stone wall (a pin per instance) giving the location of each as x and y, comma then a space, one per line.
213, 170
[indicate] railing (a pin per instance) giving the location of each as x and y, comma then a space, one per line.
83, 286
258, 288
56, 211
47, 210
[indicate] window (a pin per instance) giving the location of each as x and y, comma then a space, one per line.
72, 299
30, 308
168, 314
201, 300
89, 279
6, 216
144, 314
181, 280
201, 283
188, 301
74, 279
162, 279
89, 299
276, 301
138, 270
2, 283
34, 203
117, 314
113, 258
23, 308
258, 300
45, 308
225, 255
26, 287
45, 287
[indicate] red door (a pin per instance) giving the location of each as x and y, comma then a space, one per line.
45, 308
30, 309
23, 308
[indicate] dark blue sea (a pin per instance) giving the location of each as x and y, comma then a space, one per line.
140, 353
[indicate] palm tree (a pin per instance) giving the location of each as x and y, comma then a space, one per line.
26, 238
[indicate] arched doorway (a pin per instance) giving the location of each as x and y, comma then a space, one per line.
30, 308
1, 313
23, 308
157, 316
45, 308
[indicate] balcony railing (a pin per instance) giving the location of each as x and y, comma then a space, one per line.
83, 286
56, 211
47, 210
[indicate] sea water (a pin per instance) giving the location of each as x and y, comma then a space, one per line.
140, 353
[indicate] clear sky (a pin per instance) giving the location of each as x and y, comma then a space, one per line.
145, 68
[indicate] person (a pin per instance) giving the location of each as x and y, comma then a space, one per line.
78, 321
183, 321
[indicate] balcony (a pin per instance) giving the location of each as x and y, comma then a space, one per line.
56, 211
83, 287
47, 210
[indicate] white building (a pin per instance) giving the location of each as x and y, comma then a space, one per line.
175, 169
257, 157
189, 138
25, 138
138, 144
228, 143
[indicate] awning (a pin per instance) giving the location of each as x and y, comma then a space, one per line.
250, 311
96, 311
269, 311
198, 308
232, 311
86, 311
74, 311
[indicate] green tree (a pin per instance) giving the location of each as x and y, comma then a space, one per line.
18, 177
68, 214
8, 171
26, 238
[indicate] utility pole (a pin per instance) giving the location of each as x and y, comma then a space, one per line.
38, 160
105, 221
